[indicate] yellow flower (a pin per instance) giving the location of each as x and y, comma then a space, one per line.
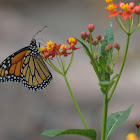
43, 48
49, 45
131, 136
125, 7
63, 47
72, 41
111, 7
108, 1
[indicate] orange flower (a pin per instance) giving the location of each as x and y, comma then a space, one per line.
43, 49
127, 11
72, 42
64, 52
47, 55
108, 1
49, 45
112, 8
52, 50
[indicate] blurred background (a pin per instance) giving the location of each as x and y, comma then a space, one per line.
25, 114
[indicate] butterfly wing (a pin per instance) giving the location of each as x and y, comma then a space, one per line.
10, 68
35, 73
26, 67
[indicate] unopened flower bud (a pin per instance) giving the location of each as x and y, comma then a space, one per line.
116, 46
137, 125
121, 4
95, 56
101, 40
109, 47
88, 35
131, 5
108, 65
95, 42
91, 27
137, 9
83, 35
87, 39
99, 37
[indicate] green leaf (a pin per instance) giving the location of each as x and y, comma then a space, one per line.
90, 133
104, 83
112, 82
114, 77
116, 119
102, 62
108, 39
91, 58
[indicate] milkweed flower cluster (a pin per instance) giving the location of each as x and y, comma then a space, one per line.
126, 10
50, 50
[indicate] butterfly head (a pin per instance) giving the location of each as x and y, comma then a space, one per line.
33, 42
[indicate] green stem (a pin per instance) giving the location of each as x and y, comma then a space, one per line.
122, 66
60, 64
91, 43
132, 22
137, 26
75, 103
138, 133
126, 24
70, 62
104, 123
117, 58
120, 23
111, 58
53, 66
64, 61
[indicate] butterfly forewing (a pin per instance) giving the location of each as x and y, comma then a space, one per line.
10, 69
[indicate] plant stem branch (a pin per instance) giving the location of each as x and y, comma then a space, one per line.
75, 103
104, 123
122, 66
121, 24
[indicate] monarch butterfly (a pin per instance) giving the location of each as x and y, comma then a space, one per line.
26, 66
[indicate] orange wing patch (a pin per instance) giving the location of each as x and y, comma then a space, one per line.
18, 57
12, 69
17, 63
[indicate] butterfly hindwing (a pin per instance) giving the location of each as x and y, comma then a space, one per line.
26, 66
35, 73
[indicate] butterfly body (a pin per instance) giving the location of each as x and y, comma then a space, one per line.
26, 66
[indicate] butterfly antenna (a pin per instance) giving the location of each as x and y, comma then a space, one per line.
42, 40
39, 32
